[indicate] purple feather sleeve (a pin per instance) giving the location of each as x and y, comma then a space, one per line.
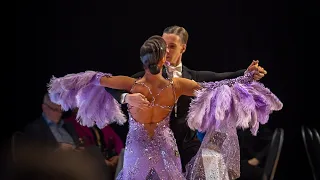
218, 109
83, 91
247, 101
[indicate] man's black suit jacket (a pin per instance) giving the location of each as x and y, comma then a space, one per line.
41, 136
187, 143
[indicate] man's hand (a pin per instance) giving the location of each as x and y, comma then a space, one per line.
253, 162
259, 71
108, 162
66, 146
113, 161
137, 100
79, 149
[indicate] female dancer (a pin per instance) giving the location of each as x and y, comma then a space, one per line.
151, 151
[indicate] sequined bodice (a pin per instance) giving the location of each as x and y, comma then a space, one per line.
158, 154
158, 127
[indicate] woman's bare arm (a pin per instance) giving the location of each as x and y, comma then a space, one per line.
117, 82
185, 86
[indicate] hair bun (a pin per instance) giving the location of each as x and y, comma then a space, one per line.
152, 65
154, 69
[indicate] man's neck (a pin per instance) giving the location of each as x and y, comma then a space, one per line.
180, 64
177, 63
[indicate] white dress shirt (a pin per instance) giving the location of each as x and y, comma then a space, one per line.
174, 71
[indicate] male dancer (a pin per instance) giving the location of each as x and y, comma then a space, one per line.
176, 38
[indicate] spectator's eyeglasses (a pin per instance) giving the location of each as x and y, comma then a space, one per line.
54, 109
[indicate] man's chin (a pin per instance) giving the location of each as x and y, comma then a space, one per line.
170, 61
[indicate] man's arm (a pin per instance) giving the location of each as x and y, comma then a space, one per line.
207, 76
118, 94
115, 93
33, 135
31, 130
213, 76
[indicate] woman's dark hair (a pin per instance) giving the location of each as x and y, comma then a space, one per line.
151, 52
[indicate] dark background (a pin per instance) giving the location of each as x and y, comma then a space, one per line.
61, 37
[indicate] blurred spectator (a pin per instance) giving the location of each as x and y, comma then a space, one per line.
50, 135
106, 139
253, 152
50, 130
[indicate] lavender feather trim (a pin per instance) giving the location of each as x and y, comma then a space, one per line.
249, 102
83, 91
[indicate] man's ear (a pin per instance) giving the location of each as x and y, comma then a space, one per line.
184, 47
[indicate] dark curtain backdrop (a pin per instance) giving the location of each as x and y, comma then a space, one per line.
61, 37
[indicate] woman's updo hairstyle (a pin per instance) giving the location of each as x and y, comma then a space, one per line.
151, 52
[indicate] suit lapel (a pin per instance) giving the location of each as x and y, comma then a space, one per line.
186, 73
70, 129
50, 139
183, 99
164, 72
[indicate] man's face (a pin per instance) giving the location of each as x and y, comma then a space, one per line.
53, 111
175, 48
